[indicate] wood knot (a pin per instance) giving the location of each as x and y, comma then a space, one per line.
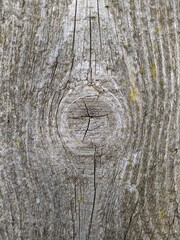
89, 120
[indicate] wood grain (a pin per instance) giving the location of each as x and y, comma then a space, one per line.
90, 124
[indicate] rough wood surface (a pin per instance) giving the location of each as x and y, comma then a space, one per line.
90, 120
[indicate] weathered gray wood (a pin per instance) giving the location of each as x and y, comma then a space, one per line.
90, 126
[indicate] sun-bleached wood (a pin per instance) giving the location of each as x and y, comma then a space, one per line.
90, 120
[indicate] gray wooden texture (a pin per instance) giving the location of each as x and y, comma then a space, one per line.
90, 120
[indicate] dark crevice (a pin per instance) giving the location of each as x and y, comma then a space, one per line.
86, 109
90, 48
73, 41
99, 25
94, 197
84, 116
89, 120
74, 31
130, 221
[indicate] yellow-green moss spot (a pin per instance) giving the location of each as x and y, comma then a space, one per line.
133, 74
156, 29
153, 71
14, 201
162, 214
131, 165
18, 143
162, 83
81, 199
131, 5
142, 70
34, 30
2, 39
132, 93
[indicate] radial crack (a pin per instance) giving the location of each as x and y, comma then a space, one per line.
94, 198
89, 120
86, 109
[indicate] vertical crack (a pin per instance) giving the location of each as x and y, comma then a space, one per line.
86, 109
74, 31
90, 48
89, 120
74, 36
94, 198
79, 219
130, 221
99, 25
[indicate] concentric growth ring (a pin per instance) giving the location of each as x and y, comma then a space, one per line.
89, 119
